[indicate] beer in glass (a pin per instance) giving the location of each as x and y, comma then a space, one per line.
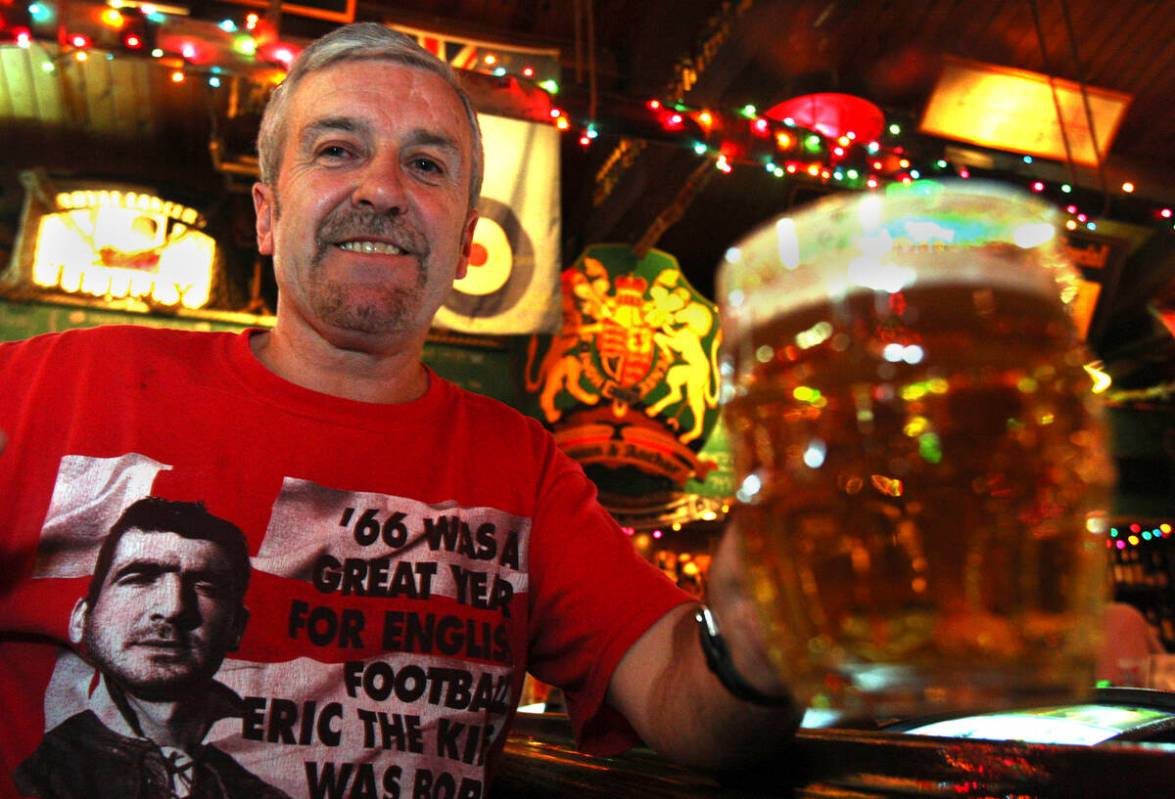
921, 467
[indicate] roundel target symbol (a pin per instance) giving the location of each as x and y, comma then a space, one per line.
501, 264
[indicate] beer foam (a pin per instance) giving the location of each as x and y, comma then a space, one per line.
974, 234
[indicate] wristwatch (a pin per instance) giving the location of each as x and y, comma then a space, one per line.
718, 659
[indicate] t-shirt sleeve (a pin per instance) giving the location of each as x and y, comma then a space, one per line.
592, 596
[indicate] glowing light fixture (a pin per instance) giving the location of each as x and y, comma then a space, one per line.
833, 114
115, 244
962, 107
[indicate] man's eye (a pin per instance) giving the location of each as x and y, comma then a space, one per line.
427, 165
137, 578
333, 151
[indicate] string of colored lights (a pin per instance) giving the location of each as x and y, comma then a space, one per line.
1136, 534
740, 137
744, 137
129, 28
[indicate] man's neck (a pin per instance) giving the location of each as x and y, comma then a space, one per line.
170, 723
177, 724
367, 374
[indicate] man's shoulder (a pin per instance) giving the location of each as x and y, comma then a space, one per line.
70, 755
488, 409
84, 727
113, 339
486, 416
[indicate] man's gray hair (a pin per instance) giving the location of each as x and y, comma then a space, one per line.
358, 42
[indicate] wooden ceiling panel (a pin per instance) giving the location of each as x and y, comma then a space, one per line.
18, 96
891, 47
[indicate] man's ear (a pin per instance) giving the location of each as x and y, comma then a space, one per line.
77, 620
239, 628
265, 205
466, 243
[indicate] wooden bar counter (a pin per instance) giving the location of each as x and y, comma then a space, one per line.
540, 762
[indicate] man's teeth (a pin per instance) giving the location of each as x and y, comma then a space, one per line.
380, 247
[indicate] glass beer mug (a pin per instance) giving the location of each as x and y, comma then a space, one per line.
921, 467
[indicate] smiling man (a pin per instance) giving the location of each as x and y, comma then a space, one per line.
368, 212
336, 449
164, 607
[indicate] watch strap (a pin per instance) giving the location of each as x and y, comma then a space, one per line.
718, 659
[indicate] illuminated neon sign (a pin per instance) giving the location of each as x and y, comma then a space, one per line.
124, 245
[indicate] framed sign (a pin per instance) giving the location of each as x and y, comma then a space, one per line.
1014, 109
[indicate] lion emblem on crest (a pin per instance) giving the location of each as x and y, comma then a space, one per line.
638, 345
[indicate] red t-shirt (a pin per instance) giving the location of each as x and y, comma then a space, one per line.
409, 562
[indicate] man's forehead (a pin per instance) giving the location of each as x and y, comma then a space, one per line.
358, 88
162, 545
357, 77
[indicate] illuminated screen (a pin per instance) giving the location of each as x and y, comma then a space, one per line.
1073, 724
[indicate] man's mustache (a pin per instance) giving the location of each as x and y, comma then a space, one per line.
162, 633
349, 223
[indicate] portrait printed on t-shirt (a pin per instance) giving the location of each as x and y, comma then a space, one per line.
363, 646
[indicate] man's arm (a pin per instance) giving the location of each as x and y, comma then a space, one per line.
664, 688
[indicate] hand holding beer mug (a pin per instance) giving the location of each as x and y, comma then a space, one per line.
920, 463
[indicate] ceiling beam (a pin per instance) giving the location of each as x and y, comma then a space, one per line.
642, 188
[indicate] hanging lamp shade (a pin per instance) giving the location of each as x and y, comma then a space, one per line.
832, 114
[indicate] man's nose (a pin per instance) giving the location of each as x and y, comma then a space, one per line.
173, 599
381, 186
